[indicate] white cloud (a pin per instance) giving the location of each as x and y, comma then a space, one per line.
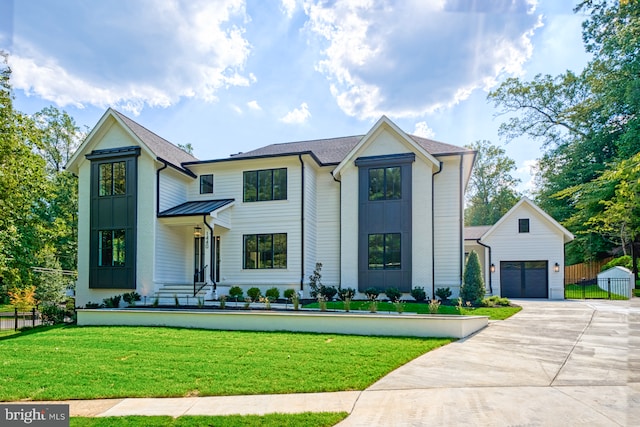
297, 115
446, 49
423, 130
288, 7
527, 174
150, 53
237, 109
253, 105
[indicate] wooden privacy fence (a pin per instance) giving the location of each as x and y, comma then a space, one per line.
584, 271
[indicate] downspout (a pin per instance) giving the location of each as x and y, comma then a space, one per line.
339, 227
211, 253
433, 231
461, 207
488, 247
301, 223
158, 186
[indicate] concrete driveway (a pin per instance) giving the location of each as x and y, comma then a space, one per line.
556, 363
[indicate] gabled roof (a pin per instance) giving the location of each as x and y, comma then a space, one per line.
205, 207
332, 151
566, 233
157, 146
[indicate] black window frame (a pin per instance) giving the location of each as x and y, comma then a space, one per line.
108, 184
390, 260
263, 185
388, 190
206, 185
524, 225
112, 248
264, 251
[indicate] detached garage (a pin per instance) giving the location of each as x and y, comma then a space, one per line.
522, 253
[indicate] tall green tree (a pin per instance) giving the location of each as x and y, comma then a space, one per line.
585, 121
492, 187
472, 289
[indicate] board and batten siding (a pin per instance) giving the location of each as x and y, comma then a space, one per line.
421, 224
447, 225
543, 242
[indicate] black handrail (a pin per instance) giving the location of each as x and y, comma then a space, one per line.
196, 276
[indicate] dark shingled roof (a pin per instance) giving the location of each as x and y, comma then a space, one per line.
162, 148
195, 208
475, 232
332, 151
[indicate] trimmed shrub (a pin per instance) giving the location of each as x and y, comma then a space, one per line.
52, 314
254, 294
418, 294
315, 280
372, 293
272, 294
235, 292
393, 294
494, 301
346, 293
328, 292
112, 302
131, 298
289, 293
472, 288
443, 293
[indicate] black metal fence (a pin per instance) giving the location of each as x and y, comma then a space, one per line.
603, 288
19, 319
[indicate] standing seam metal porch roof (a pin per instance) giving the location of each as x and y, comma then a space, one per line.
195, 208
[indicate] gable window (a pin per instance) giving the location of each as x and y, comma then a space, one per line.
385, 183
112, 179
262, 251
384, 251
111, 248
206, 184
267, 184
523, 225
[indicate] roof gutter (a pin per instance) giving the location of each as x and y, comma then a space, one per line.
433, 231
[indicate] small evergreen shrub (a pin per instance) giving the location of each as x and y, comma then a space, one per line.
272, 294
51, 314
393, 294
418, 294
289, 293
346, 293
236, 292
131, 298
315, 282
472, 289
92, 305
328, 292
254, 294
494, 301
112, 302
372, 293
443, 293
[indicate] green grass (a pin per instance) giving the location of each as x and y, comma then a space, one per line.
71, 362
494, 313
589, 292
319, 419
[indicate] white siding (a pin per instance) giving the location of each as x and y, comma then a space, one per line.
544, 242
328, 226
173, 188
174, 255
447, 219
310, 221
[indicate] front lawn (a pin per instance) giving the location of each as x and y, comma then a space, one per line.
319, 419
494, 313
72, 362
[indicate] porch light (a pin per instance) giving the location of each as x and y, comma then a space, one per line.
197, 231
493, 268
556, 267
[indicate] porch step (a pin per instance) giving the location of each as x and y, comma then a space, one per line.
184, 292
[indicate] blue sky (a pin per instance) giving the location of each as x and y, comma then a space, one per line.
234, 75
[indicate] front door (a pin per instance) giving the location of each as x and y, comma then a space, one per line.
199, 264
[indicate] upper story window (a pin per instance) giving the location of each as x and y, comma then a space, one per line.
523, 225
267, 184
113, 179
385, 183
206, 184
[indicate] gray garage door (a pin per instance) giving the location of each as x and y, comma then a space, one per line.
524, 279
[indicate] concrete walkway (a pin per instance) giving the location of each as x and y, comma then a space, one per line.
556, 363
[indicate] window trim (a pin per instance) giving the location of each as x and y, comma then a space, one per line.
255, 174
202, 183
115, 187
